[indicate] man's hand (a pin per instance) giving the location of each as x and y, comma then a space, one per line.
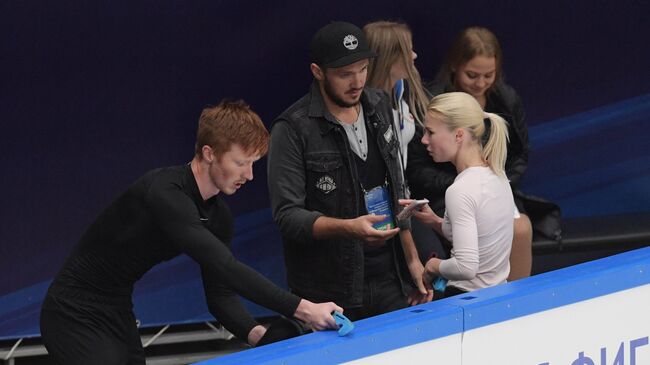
415, 297
361, 228
423, 293
317, 315
256, 334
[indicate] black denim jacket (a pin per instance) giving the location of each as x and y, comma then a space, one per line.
311, 173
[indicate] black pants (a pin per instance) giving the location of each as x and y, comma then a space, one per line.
427, 241
450, 291
81, 333
381, 294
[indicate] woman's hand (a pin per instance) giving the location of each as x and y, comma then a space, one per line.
425, 215
423, 293
431, 270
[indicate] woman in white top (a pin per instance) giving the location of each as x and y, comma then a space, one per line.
478, 219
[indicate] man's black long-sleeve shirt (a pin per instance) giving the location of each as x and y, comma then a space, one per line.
159, 217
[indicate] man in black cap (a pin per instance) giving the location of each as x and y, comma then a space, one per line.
335, 181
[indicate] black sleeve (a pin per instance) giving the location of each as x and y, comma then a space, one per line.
226, 306
286, 180
426, 178
518, 148
177, 216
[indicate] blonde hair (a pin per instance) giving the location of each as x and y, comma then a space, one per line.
391, 42
461, 110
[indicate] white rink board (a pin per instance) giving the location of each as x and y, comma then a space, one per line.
446, 350
558, 336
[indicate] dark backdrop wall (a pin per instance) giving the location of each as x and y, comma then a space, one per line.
95, 93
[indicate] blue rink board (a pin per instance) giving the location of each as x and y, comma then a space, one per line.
455, 315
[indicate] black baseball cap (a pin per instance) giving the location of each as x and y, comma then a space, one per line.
339, 44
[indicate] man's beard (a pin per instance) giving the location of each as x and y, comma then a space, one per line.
335, 98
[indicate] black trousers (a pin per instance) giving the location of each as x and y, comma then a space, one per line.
381, 294
450, 291
81, 333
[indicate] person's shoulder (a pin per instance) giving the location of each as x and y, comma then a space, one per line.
163, 177
155, 182
167, 172
469, 181
377, 100
298, 112
375, 95
299, 108
507, 95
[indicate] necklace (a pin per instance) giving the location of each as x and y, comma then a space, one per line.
341, 118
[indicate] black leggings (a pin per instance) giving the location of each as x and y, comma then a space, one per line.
450, 291
82, 333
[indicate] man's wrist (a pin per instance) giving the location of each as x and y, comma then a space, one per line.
256, 334
302, 311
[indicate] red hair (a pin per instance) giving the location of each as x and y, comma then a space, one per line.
231, 122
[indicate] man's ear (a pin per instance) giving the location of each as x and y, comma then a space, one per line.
206, 154
317, 72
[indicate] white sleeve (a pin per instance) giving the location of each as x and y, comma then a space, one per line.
461, 210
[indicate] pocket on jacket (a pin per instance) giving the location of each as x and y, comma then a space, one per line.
324, 181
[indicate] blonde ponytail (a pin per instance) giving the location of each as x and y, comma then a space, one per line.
495, 149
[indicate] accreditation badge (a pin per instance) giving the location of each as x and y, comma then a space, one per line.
378, 203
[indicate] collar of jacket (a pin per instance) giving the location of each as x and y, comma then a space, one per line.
317, 108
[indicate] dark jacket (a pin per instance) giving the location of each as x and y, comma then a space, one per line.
311, 173
429, 179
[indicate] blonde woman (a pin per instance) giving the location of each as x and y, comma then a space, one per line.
393, 70
479, 213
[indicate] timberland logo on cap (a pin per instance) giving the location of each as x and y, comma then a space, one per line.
350, 42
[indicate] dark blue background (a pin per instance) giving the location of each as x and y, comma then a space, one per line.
95, 93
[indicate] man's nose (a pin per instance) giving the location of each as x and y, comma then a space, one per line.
248, 174
359, 80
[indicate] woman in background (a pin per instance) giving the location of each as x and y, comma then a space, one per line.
393, 70
474, 65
